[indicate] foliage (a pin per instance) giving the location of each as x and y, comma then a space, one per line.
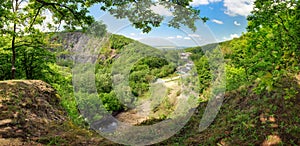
90, 106
111, 102
204, 73
145, 71
118, 42
61, 80
235, 77
32, 62
23, 20
141, 16
275, 50
209, 64
261, 63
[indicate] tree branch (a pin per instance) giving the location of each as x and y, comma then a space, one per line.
37, 13
286, 30
61, 5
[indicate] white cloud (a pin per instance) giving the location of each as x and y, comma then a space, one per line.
199, 2
202, 2
189, 37
214, 1
194, 35
161, 10
132, 34
238, 7
179, 37
232, 36
236, 23
217, 21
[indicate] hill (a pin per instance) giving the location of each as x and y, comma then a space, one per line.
246, 118
31, 114
34, 113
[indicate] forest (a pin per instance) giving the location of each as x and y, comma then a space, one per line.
262, 71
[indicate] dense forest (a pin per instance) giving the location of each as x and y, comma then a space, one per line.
262, 69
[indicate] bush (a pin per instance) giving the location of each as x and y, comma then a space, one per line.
235, 77
111, 102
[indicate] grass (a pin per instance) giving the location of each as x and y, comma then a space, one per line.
241, 121
245, 118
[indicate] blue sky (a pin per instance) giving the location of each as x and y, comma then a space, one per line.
227, 20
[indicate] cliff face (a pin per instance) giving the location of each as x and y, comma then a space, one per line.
66, 42
77, 46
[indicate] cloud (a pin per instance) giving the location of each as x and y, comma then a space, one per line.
232, 36
236, 23
217, 21
199, 2
182, 37
194, 35
161, 10
214, 1
202, 2
179, 37
132, 34
238, 7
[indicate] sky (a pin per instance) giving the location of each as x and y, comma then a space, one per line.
227, 20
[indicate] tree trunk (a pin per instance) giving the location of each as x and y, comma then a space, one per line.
13, 47
13, 60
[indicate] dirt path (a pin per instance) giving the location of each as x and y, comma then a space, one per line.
143, 111
136, 115
175, 89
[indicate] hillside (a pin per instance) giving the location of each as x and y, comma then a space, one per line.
246, 118
31, 114
117, 55
260, 108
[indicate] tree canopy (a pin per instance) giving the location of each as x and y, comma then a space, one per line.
20, 18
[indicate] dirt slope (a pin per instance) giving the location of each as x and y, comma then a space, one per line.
30, 114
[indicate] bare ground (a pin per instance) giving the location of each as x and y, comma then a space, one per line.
143, 111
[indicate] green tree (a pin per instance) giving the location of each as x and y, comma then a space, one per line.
140, 14
20, 19
276, 25
274, 51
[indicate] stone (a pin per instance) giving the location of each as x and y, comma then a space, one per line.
5, 122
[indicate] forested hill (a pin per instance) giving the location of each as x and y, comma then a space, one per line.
259, 73
254, 111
